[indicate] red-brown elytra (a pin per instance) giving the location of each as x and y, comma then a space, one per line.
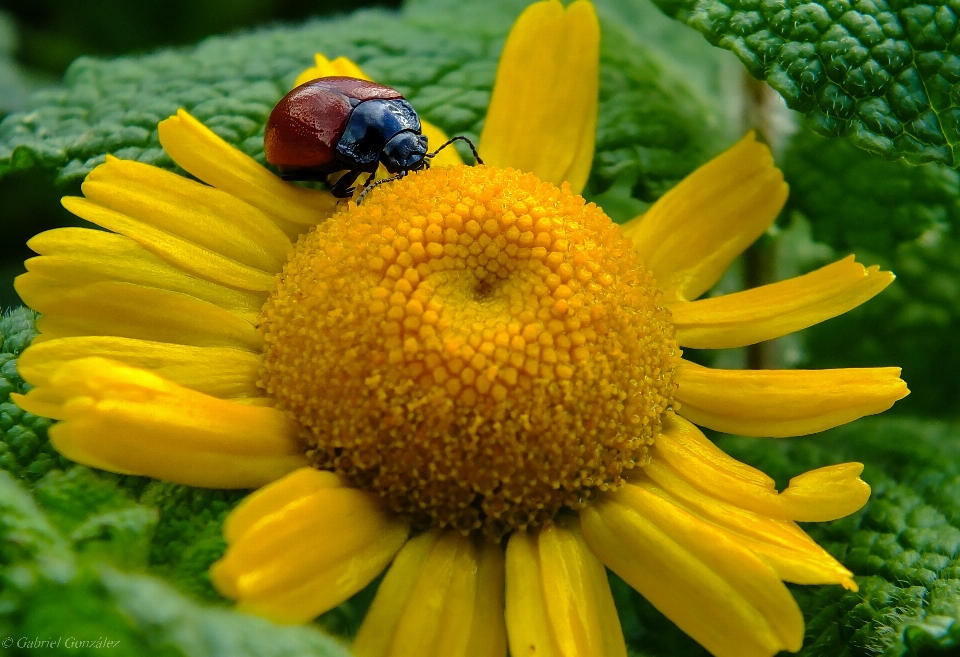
340, 123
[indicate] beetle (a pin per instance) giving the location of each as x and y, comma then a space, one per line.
340, 123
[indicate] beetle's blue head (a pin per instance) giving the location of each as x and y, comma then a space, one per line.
405, 152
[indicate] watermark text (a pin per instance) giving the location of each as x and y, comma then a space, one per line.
50, 643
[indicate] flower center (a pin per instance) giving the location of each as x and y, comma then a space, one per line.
480, 348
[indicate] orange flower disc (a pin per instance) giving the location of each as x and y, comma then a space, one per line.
479, 347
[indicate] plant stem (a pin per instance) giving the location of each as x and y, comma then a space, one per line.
760, 259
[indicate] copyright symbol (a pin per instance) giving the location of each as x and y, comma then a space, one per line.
8, 642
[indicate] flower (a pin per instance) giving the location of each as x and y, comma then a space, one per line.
472, 380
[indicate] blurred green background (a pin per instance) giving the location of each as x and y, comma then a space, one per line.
55, 32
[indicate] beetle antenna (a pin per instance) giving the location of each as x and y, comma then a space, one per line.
367, 188
473, 148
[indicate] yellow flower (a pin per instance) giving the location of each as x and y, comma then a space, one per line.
474, 376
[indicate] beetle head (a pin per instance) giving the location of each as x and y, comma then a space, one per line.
405, 152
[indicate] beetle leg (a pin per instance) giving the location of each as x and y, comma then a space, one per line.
343, 187
377, 183
366, 183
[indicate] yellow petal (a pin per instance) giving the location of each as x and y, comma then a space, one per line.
834, 491
528, 625
438, 618
42, 402
192, 211
218, 371
715, 589
77, 256
128, 420
180, 252
577, 595
324, 68
208, 157
278, 554
688, 452
274, 497
303, 545
133, 311
770, 311
432, 599
781, 543
375, 636
575, 614
543, 112
488, 633
780, 403
692, 234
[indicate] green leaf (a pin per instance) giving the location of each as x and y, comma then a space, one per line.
49, 593
48, 589
63, 541
654, 125
913, 324
883, 74
167, 618
905, 219
25, 534
188, 538
904, 546
96, 515
24, 450
857, 202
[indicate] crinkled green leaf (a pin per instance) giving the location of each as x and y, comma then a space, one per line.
45, 594
57, 538
49, 593
882, 73
96, 515
904, 546
905, 219
25, 533
654, 126
168, 618
188, 537
23, 448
